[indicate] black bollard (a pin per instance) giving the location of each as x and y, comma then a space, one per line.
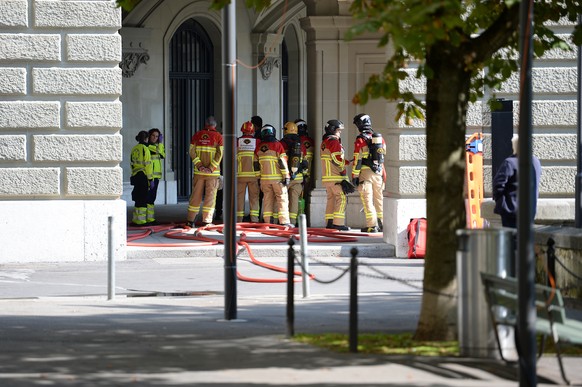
290, 289
354, 301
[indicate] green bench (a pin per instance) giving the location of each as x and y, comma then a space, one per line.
551, 320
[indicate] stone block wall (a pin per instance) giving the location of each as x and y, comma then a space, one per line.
554, 82
60, 122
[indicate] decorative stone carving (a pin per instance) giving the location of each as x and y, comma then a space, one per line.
268, 52
132, 58
267, 66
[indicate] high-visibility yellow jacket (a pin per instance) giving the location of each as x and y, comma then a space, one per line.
246, 157
362, 154
333, 162
141, 161
206, 150
273, 161
158, 152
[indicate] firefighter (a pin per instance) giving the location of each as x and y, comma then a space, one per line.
141, 178
274, 175
247, 176
206, 150
333, 172
257, 121
158, 152
368, 173
309, 145
297, 163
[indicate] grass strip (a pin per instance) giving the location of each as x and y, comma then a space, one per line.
382, 343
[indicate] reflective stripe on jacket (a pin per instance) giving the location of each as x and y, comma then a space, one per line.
273, 161
245, 155
206, 150
141, 161
157, 152
333, 163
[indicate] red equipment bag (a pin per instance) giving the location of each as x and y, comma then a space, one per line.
417, 238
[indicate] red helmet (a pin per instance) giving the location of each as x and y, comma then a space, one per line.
247, 128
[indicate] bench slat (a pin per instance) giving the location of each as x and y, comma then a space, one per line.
551, 317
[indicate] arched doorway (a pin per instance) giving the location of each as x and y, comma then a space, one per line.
191, 75
290, 76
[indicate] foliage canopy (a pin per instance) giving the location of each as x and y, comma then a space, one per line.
485, 31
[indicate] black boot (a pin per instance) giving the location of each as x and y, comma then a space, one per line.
340, 228
370, 229
329, 223
380, 226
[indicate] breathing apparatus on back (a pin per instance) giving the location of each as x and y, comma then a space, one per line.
375, 159
293, 144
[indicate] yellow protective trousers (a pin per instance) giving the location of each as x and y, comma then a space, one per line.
335, 208
370, 189
203, 187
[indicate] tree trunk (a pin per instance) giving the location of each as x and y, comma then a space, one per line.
447, 102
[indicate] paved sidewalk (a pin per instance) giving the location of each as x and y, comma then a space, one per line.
145, 338
187, 342
166, 325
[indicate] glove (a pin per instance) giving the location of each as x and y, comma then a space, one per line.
286, 181
161, 138
204, 169
151, 185
356, 181
347, 187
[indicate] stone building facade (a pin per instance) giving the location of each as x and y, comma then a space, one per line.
60, 122
68, 67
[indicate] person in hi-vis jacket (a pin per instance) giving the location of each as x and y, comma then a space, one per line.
274, 175
141, 178
368, 173
247, 177
206, 150
158, 153
333, 172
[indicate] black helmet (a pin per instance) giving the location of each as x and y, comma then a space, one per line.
332, 126
267, 131
363, 122
302, 126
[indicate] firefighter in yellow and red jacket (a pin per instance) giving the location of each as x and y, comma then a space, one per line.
141, 178
368, 173
309, 146
297, 167
206, 150
274, 175
247, 178
333, 172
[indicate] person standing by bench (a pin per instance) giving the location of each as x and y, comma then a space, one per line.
505, 183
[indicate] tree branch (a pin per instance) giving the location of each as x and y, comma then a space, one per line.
497, 36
